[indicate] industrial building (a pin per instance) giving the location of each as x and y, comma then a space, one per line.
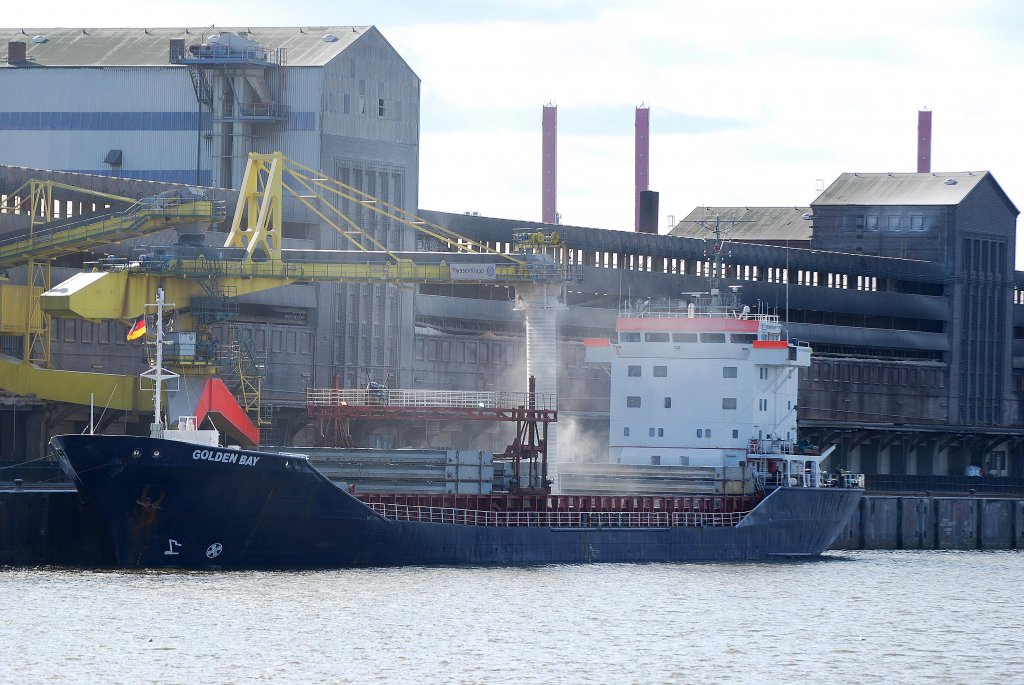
903, 283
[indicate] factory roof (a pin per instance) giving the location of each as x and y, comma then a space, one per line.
901, 189
148, 47
750, 224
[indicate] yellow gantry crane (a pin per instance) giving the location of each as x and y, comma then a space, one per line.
47, 238
251, 259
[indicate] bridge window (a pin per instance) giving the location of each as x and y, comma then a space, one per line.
629, 337
685, 337
656, 337
712, 337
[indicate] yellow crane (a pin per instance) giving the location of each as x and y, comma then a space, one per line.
251, 259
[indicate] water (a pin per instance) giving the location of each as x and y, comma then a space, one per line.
851, 617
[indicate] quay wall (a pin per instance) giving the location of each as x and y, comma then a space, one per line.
935, 522
51, 527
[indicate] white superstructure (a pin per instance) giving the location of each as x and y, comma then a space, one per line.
705, 383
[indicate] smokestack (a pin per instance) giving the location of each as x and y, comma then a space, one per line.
643, 165
924, 141
549, 174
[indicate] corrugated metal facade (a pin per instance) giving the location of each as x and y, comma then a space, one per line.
69, 119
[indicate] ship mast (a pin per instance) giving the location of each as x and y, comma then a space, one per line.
157, 373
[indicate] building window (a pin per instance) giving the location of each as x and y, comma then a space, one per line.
668, 403
893, 223
633, 371
707, 432
655, 460
728, 403
380, 107
763, 373
661, 432
735, 433
650, 432
762, 404
872, 224
660, 371
633, 401
700, 432
684, 461
625, 431
729, 372
916, 222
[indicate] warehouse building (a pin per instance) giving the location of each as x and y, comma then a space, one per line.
903, 283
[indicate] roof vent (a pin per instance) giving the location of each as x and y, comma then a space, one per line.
40, 39
330, 38
950, 181
15, 51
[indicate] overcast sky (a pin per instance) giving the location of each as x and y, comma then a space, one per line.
751, 102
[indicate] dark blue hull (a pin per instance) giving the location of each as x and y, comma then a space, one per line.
176, 504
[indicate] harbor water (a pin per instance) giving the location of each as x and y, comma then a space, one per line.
849, 617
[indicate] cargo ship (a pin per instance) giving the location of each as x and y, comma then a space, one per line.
743, 489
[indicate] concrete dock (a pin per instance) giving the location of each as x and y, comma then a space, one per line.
935, 522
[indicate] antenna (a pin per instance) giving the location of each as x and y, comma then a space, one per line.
718, 244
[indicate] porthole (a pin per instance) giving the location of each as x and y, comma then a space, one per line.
136, 453
156, 454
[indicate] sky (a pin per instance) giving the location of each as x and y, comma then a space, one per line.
751, 102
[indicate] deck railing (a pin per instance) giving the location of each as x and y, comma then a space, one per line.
333, 397
559, 519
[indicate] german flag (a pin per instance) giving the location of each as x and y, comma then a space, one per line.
138, 328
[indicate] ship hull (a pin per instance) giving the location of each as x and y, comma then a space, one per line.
183, 505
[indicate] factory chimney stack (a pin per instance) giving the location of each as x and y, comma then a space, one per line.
549, 173
642, 161
924, 141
